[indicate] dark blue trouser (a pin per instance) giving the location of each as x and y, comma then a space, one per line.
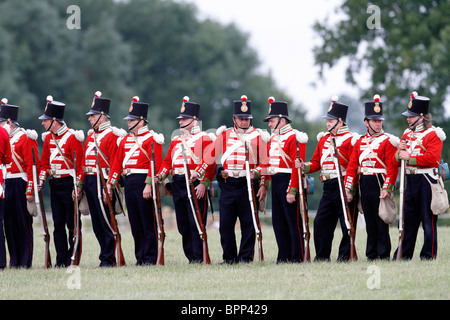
18, 223
233, 204
63, 215
378, 240
101, 227
2, 236
141, 215
287, 221
417, 210
187, 227
330, 211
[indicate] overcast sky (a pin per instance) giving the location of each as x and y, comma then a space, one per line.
281, 32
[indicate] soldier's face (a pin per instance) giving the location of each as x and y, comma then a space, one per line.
374, 126
334, 123
93, 119
414, 121
242, 123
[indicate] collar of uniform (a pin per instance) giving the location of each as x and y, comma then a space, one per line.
143, 130
342, 130
104, 126
286, 128
419, 128
195, 129
250, 129
62, 130
368, 135
14, 131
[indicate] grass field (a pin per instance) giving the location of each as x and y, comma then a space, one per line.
266, 280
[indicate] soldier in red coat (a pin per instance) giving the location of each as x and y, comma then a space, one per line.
420, 146
372, 163
286, 216
18, 188
5, 158
103, 140
61, 144
194, 141
133, 161
330, 209
231, 174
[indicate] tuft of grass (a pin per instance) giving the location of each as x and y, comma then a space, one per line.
266, 280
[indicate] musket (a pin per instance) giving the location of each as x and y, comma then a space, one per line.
114, 226
76, 227
38, 200
196, 212
401, 214
345, 208
159, 218
304, 211
253, 207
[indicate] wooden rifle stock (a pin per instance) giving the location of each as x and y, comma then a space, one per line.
157, 200
38, 199
253, 207
197, 213
76, 226
346, 209
304, 211
117, 237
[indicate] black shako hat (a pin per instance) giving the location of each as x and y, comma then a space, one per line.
374, 109
417, 106
243, 108
190, 110
99, 105
9, 112
336, 110
277, 109
138, 110
54, 110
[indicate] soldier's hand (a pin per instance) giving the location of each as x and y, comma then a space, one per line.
262, 192
290, 198
403, 155
147, 193
348, 195
30, 198
299, 164
200, 190
252, 174
402, 145
194, 176
107, 193
384, 194
39, 185
158, 178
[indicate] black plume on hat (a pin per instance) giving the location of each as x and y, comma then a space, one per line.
54, 110
277, 109
138, 110
9, 112
336, 110
99, 105
418, 105
189, 109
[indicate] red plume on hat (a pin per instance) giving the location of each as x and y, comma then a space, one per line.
135, 99
376, 98
271, 99
4, 101
244, 97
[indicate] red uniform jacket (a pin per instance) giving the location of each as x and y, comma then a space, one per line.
373, 155
56, 160
194, 144
130, 158
107, 141
5, 150
230, 143
323, 157
22, 141
282, 155
425, 147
